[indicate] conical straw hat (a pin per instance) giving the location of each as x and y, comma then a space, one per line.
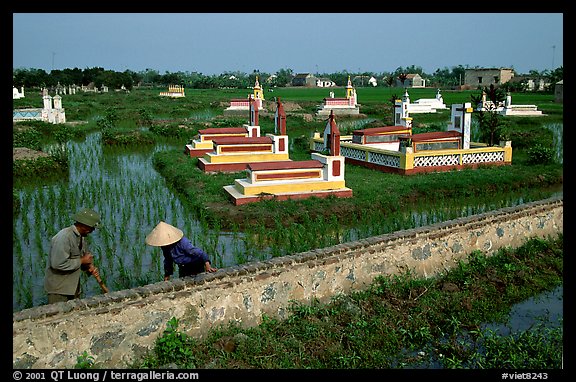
164, 234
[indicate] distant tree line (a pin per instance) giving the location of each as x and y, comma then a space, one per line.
39, 78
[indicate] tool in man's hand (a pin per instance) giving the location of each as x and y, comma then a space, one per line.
96, 275
91, 269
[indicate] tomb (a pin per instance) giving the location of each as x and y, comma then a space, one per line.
386, 137
456, 136
233, 154
17, 94
60, 89
241, 105
322, 176
174, 91
392, 149
423, 105
506, 108
341, 106
202, 143
52, 112
436, 103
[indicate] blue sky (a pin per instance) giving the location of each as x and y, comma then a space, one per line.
214, 43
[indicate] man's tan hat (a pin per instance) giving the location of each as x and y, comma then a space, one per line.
164, 234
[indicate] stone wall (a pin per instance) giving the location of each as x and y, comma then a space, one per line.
119, 327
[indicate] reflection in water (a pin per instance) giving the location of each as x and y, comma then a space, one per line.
122, 185
557, 130
542, 311
547, 308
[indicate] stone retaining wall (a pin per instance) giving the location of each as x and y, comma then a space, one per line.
121, 326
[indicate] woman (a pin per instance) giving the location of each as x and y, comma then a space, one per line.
178, 249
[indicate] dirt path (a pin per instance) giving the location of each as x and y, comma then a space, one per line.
24, 153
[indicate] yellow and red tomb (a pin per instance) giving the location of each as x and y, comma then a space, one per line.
202, 143
233, 154
321, 176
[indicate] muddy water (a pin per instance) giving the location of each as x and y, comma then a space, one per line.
546, 308
542, 311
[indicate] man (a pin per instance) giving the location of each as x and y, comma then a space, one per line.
178, 249
69, 256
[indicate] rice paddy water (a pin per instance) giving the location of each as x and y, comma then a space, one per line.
131, 197
123, 186
557, 130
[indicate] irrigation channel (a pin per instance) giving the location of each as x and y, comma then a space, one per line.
122, 185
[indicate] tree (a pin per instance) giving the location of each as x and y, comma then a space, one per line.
135, 78
389, 80
150, 76
402, 77
489, 120
113, 79
89, 75
555, 76
30, 78
340, 78
172, 79
283, 77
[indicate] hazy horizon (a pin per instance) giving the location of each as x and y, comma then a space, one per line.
215, 43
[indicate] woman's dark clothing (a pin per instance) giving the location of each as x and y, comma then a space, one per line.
190, 259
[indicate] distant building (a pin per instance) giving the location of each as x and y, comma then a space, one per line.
413, 80
480, 78
304, 79
271, 79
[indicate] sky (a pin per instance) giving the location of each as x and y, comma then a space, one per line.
216, 43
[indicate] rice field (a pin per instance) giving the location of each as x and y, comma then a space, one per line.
122, 185
132, 197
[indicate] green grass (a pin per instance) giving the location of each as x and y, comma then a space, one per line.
378, 198
87, 106
390, 323
385, 326
381, 203
373, 191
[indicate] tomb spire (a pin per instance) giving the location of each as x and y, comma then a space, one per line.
279, 118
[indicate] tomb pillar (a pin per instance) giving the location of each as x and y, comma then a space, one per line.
279, 119
332, 136
253, 112
461, 120
47, 101
350, 93
258, 94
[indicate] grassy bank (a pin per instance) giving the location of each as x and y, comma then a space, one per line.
375, 194
400, 322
